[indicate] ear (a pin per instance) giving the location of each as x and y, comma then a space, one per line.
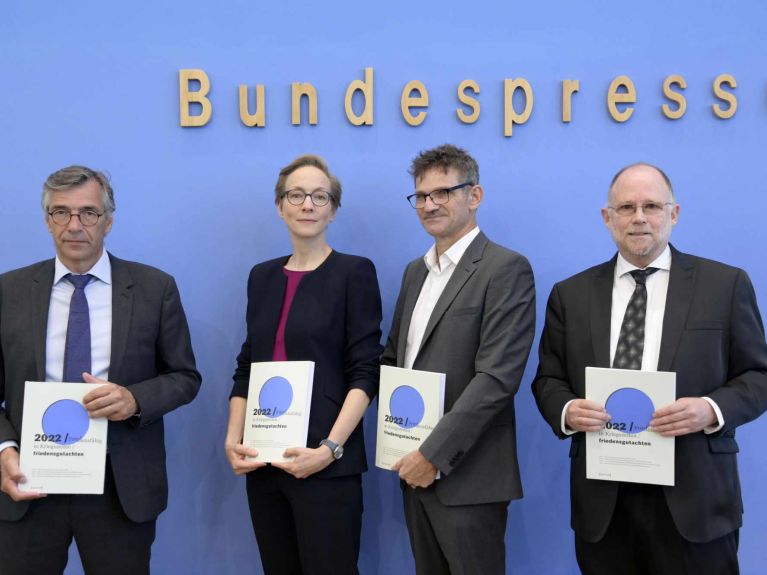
108, 227
279, 209
675, 214
606, 216
48, 223
475, 196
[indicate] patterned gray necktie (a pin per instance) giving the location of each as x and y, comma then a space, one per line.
628, 354
77, 350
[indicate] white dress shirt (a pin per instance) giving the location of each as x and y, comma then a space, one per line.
98, 292
439, 274
657, 289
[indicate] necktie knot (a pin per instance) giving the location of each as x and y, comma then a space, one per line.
640, 276
78, 281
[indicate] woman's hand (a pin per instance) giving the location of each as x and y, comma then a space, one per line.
305, 461
237, 453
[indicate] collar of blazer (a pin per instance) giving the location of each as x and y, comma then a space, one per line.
414, 280
680, 290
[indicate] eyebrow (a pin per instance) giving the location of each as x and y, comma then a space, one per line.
81, 208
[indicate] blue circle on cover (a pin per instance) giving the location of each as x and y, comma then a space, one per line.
66, 421
275, 397
406, 405
631, 410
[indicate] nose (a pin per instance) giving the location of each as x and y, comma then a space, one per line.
639, 215
74, 224
429, 204
307, 203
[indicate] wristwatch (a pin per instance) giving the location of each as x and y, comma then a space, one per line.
335, 449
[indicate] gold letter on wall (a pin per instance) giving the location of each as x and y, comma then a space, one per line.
258, 118
569, 87
510, 116
366, 87
298, 90
729, 112
407, 101
614, 98
467, 100
676, 97
187, 97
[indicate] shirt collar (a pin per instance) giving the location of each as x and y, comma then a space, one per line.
101, 270
452, 255
662, 262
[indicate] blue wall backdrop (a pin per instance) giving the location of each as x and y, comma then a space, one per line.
97, 83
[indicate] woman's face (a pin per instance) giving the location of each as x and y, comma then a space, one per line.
307, 220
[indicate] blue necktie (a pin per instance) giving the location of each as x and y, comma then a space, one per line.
77, 352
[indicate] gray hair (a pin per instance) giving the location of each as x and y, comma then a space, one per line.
74, 176
444, 158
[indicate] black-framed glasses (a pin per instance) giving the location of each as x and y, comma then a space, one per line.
297, 197
648, 208
88, 217
438, 197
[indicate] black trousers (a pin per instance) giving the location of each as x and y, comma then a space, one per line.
643, 540
108, 542
455, 540
306, 526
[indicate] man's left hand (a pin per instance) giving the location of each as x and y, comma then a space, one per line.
305, 461
109, 400
685, 415
415, 470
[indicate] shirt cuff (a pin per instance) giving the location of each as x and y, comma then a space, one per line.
6, 444
566, 430
708, 430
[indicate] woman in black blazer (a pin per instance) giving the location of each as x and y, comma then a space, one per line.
323, 306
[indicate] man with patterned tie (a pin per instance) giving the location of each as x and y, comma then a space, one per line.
652, 307
87, 316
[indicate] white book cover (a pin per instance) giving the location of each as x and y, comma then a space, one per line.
410, 404
278, 407
63, 450
625, 449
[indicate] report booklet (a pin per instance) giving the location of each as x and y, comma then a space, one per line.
278, 407
410, 404
63, 450
625, 449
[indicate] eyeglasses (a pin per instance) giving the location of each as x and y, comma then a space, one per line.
648, 209
87, 217
298, 197
438, 197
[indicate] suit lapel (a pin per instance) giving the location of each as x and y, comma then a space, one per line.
465, 268
680, 287
42, 283
600, 310
122, 312
413, 286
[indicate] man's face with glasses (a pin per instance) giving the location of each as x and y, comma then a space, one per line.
78, 222
640, 215
446, 205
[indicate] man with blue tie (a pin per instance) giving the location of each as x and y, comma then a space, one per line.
87, 316
654, 308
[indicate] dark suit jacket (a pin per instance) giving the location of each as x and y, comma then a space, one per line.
712, 338
479, 335
334, 321
151, 355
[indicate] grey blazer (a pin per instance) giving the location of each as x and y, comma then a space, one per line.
151, 354
479, 335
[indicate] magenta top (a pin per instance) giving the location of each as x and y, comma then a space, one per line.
294, 278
